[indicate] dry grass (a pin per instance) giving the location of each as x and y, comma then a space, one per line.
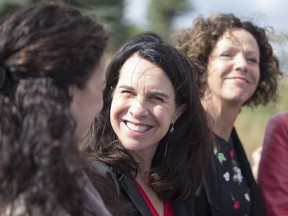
251, 123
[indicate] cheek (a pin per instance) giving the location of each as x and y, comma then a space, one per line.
93, 102
118, 105
213, 72
99, 106
257, 76
114, 111
163, 116
213, 81
98, 102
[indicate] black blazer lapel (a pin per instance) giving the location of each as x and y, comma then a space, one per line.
129, 186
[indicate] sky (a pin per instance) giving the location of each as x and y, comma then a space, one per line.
272, 13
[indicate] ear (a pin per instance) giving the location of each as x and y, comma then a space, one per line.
179, 110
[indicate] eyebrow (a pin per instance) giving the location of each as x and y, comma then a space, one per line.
125, 87
159, 94
231, 47
150, 93
252, 52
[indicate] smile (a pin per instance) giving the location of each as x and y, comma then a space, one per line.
137, 127
239, 79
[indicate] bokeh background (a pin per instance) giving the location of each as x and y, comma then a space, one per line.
125, 18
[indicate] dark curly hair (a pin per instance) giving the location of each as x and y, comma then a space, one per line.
199, 41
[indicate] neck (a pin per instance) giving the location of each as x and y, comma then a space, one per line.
144, 163
222, 117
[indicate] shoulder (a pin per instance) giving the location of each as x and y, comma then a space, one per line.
107, 172
279, 119
102, 168
93, 202
277, 127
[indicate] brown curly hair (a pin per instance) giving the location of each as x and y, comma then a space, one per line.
199, 41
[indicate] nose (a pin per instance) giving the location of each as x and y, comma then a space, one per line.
241, 63
137, 107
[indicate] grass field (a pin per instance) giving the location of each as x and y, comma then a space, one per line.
251, 123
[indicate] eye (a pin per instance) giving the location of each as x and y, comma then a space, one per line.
156, 99
127, 93
226, 54
252, 59
159, 99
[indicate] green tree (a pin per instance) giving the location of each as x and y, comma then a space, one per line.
109, 12
161, 14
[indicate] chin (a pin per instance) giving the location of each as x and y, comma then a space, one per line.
237, 101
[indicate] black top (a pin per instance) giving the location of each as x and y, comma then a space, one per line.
209, 201
234, 198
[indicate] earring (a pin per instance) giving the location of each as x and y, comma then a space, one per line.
172, 129
166, 147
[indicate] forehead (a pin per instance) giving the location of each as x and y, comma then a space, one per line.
238, 37
137, 70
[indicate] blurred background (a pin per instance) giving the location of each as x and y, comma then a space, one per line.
125, 18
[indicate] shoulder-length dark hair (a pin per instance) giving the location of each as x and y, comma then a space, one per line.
177, 174
200, 40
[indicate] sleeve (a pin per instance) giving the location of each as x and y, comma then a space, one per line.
273, 168
94, 203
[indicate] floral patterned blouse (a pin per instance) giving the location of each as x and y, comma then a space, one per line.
235, 195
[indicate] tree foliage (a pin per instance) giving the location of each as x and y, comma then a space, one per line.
161, 14
109, 12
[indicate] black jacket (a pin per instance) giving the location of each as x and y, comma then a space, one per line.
128, 191
207, 203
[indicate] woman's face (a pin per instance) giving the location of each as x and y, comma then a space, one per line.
143, 106
233, 71
87, 102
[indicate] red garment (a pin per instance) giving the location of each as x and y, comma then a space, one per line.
273, 168
168, 210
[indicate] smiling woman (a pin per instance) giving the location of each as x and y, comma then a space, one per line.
233, 71
152, 132
238, 68
142, 110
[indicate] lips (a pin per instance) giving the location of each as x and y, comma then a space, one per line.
137, 127
243, 79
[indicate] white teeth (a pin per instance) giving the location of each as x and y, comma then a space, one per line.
138, 128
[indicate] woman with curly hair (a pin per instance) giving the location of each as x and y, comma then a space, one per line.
237, 68
52, 76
